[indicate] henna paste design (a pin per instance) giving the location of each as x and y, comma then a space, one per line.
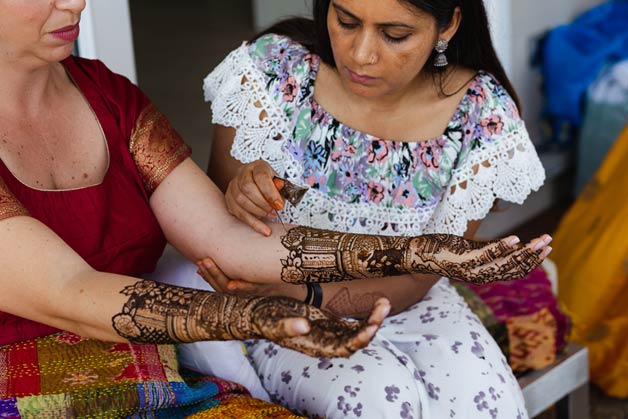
161, 313
359, 306
328, 256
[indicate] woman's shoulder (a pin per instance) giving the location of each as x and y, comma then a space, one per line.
273, 68
280, 58
491, 97
277, 48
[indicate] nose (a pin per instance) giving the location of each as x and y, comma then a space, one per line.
365, 48
75, 6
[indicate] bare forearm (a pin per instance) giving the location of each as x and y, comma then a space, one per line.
356, 299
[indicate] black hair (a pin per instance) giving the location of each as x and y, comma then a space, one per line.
470, 47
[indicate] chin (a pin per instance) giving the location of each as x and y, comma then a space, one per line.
58, 54
364, 91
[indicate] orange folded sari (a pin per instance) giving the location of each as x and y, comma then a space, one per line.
591, 252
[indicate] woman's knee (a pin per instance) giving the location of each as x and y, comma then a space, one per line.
373, 383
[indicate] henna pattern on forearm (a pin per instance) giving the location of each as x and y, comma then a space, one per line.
161, 314
328, 256
343, 304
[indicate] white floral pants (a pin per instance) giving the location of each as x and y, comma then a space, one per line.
435, 360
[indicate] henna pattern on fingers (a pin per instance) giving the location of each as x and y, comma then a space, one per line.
328, 256
161, 314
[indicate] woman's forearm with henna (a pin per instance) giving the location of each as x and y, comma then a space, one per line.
160, 313
327, 256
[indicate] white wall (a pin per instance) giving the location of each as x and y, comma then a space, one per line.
267, 12
106, 34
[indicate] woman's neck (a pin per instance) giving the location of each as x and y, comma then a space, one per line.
26, 89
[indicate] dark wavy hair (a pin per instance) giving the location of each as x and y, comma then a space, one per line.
470, 47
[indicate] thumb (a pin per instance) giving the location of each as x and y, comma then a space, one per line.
239, 285
279, 183
291, 327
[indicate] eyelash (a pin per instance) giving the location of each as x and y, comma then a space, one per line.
388, 38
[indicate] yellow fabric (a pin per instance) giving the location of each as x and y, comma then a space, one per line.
591, 252
245, 408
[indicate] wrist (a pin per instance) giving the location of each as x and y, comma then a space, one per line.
314, 294
296, 291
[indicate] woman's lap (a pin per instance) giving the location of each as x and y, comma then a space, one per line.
434, 360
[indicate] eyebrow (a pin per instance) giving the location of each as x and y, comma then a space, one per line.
383, 24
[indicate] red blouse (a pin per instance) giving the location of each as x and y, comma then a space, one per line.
110, 225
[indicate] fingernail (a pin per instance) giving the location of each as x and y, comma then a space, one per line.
548, 250
514, 240
539, 245
301, 327
266, 232
278, 205
548, 239
208, 263
278, 183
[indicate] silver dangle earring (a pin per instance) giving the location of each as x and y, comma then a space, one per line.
441, 58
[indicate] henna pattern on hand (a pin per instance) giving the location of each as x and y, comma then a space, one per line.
329, 336
328, 256
161, 313
343, 304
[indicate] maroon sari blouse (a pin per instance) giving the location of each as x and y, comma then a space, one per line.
110, 225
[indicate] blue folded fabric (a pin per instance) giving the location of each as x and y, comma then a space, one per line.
574, 55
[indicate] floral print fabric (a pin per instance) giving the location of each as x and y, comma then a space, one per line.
355, 168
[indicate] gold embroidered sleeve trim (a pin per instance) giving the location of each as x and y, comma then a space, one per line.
9, 205
156, 147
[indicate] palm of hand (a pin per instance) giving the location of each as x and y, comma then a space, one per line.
328, 336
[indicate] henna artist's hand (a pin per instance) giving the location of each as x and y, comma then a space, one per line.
253, 195
215, 277
480, 262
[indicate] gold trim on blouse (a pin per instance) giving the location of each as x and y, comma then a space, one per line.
156, 147
9, 205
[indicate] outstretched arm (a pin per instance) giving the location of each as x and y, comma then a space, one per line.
192, 213
44, 280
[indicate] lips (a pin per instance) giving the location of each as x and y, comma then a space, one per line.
67, 33
360, 78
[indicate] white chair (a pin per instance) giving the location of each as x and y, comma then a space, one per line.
565, 383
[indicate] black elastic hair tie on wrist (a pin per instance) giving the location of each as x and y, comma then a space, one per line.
317, 300
308, 296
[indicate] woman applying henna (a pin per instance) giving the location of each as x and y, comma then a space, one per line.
93, 182
400, 119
